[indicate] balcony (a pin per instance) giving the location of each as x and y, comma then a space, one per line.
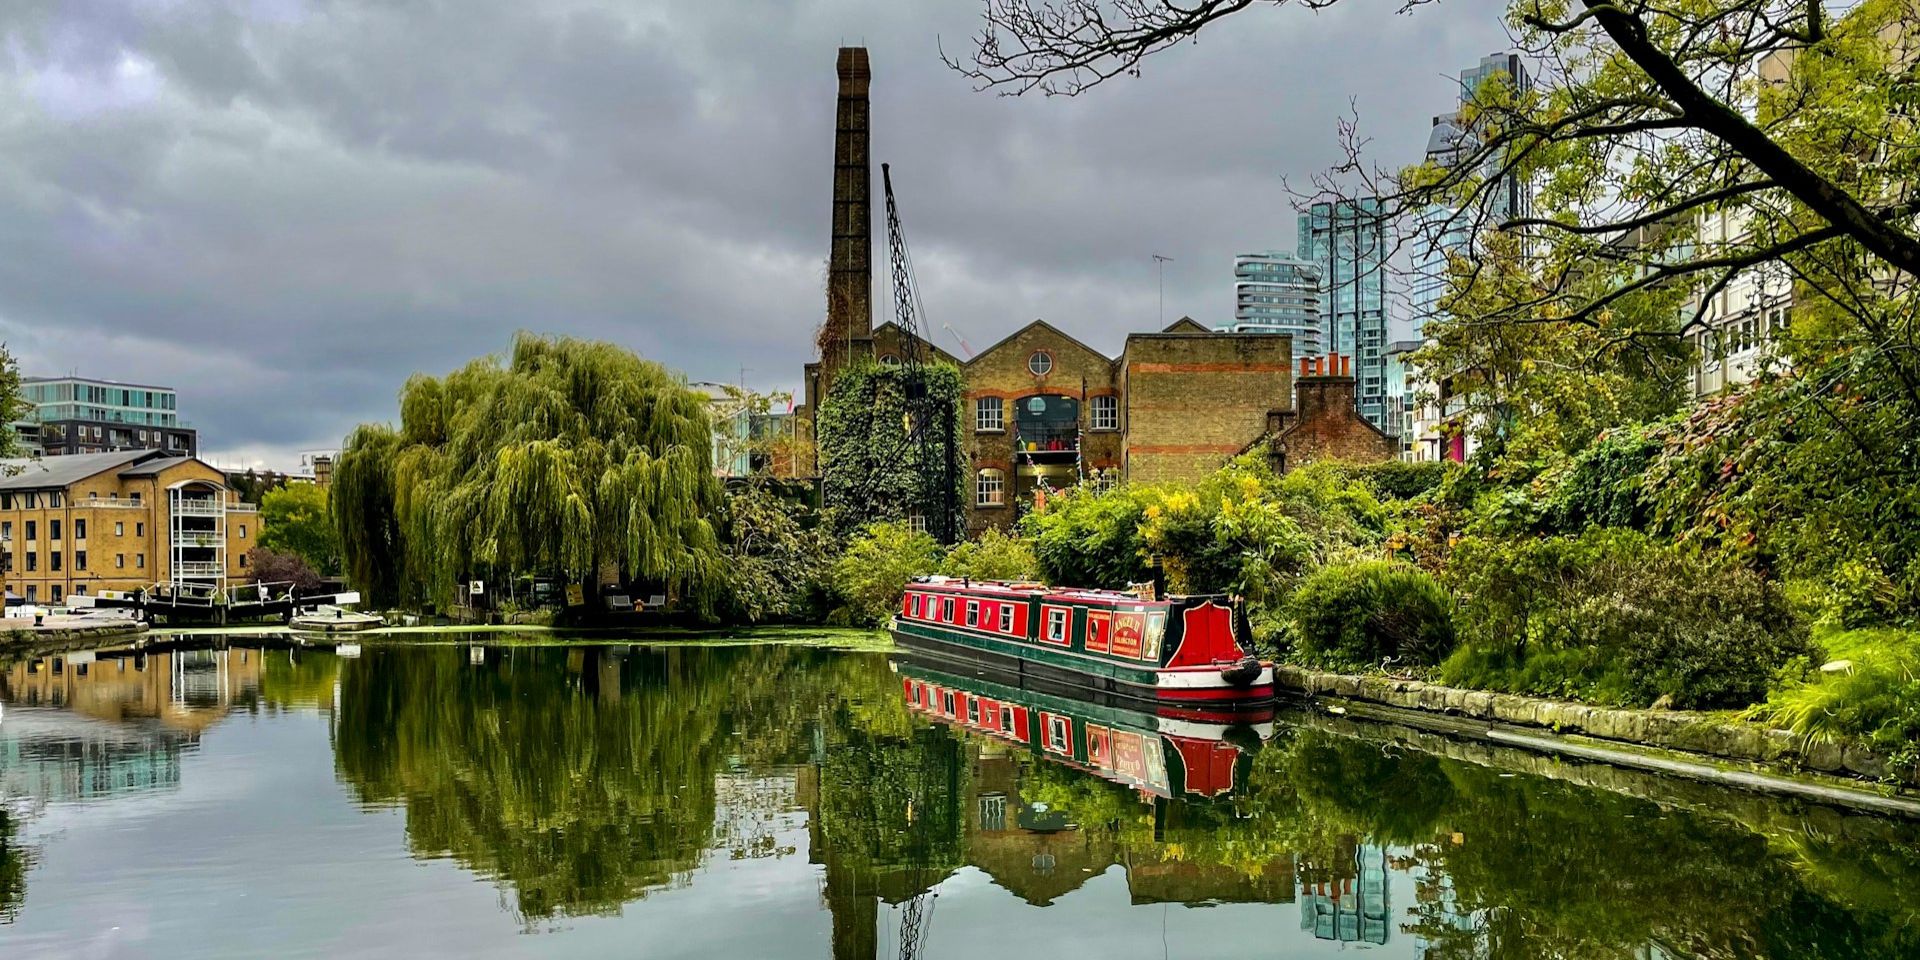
189, 539
198, 507
1046, 444
197, 569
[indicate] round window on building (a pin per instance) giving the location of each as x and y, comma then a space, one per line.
1041, 363
889, 360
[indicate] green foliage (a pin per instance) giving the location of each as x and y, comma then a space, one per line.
872, 572
1084, 538
873, 466
13, 405
574, 459
993, 555
777, 557
297, 519
1395, 479
1870, 690
1614, 617
1355, 616
1604, 484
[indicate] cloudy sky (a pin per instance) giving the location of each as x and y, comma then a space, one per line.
285, 207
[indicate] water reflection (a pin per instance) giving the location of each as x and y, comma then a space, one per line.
614, 782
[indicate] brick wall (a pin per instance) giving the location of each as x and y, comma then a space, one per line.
1194, 400
1002, 372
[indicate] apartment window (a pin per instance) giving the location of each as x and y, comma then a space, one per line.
30, 500
80, 559
56, 593
1040, 364
33, 531
135, 496
1106, 413
990, 490
243, 531
119, 528
243, 559
33, 560
6, 529
916, 521
33, 593
119, 561
53, 499
140, 561
80, 528
53, 529
139, 529
990, 415
6, 501
53, 560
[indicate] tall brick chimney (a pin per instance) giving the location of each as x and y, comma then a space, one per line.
848, 332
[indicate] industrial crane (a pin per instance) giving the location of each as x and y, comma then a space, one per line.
928, 427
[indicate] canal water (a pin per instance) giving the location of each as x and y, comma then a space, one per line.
497, 799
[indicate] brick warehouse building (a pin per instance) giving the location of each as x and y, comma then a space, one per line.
1044, 408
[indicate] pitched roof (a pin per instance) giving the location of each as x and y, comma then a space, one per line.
152, 468
1042, 324
1186, 325
63, 471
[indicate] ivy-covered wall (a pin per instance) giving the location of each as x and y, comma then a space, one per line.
872, 465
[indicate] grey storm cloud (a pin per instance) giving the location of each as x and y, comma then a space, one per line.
286, 207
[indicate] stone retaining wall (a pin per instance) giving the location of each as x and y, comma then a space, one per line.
1703, 733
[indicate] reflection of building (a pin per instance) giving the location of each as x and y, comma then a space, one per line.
185, 690
55, 757
1346, 900
120, 521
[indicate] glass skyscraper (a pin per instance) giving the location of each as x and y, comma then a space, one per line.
1277, 292
1347, 240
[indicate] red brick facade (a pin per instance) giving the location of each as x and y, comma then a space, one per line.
1324, 423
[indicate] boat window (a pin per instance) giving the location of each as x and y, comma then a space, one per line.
1006, 718
1006, 618
1057, 733
946, 609
1156, 626
1057, 626
946, 702
973, 710
973, 613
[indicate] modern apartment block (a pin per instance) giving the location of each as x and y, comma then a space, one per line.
124, 520
1277, 292
82, 415
1347, 240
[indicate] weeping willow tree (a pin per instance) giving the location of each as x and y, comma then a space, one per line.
576, 459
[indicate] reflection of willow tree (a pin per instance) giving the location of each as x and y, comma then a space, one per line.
15, 859
297, 679
579, 778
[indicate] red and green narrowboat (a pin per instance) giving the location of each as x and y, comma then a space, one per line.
1181, 651
1161, 755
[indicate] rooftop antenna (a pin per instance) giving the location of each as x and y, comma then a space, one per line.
1160, 266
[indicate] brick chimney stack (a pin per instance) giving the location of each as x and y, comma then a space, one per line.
1325, 385
848, 332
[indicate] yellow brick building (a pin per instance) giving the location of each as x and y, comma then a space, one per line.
83, 523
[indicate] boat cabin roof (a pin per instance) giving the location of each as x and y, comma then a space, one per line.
1025, 589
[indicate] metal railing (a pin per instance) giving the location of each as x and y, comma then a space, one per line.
197, 507
198, 540
198, 568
